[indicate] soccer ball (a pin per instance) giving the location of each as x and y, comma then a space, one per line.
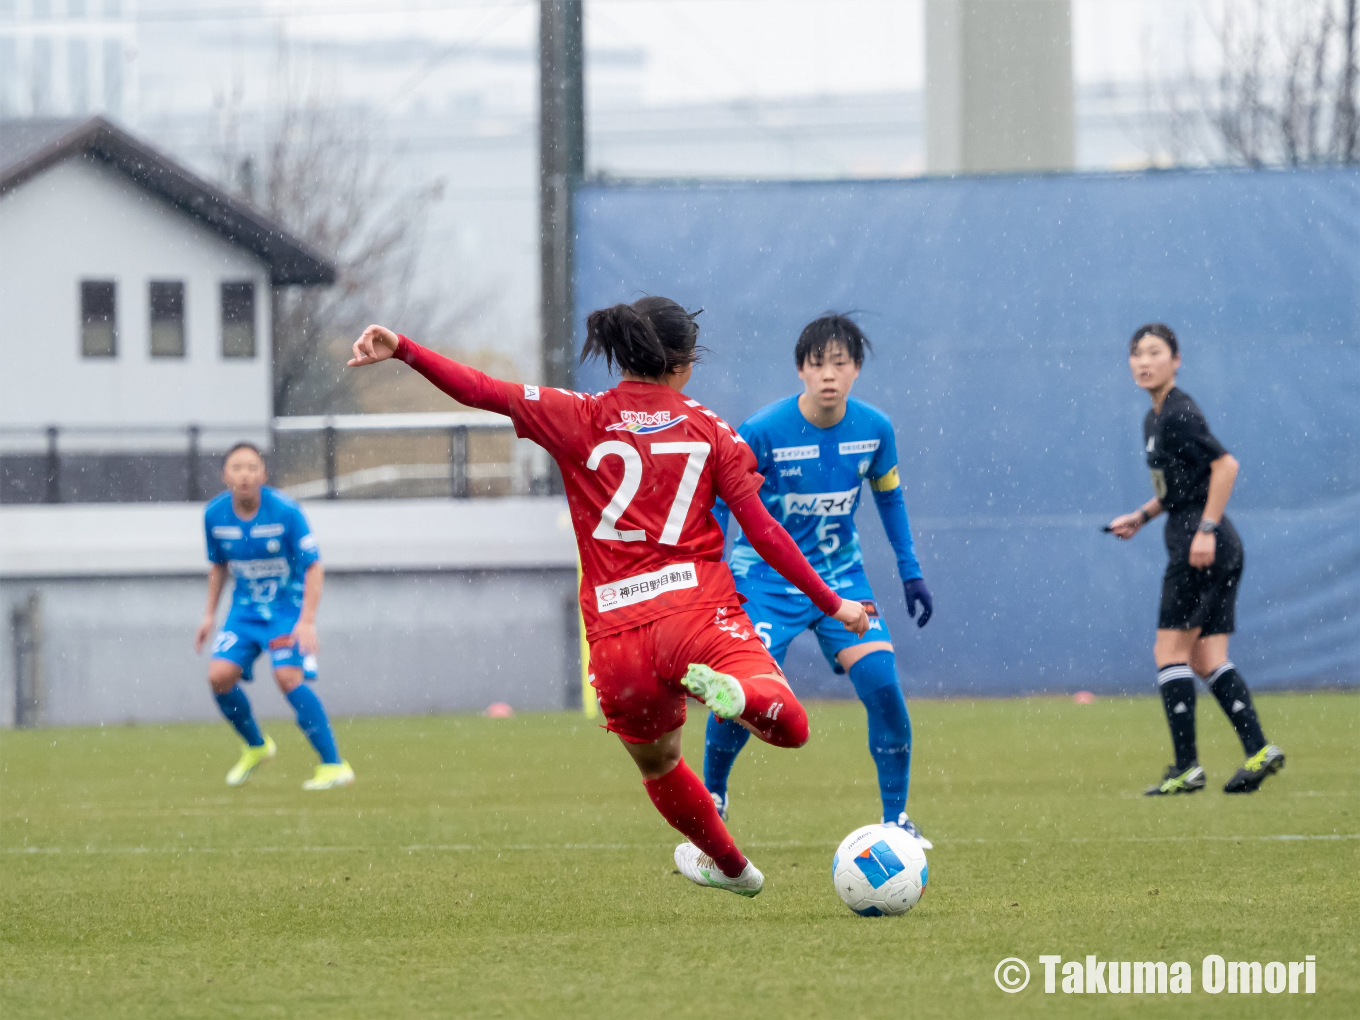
878, 870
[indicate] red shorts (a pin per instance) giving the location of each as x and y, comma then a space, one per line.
636, 674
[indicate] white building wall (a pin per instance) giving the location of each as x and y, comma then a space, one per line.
82, 220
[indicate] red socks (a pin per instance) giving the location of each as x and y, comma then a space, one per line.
683, 800
774, 713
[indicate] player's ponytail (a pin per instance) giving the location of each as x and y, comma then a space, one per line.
650, 337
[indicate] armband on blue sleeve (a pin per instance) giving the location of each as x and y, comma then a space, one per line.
892, 510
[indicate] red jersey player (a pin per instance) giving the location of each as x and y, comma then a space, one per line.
642, 466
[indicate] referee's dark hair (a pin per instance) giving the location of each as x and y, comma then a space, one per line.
829, 329
1159, 330
242, 445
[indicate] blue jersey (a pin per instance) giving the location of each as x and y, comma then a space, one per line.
813, 480
268, 555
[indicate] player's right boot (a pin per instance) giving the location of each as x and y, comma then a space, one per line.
909, 827
720, 802
721, 694
1248, 779
251, 759
1178, 780
701, 869
330, 777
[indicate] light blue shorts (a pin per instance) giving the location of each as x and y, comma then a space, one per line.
780, 613
242, 640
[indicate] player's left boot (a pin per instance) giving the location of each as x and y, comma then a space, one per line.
328, 777
721, 694
701, 869
1248, 779
251, 759
909, 827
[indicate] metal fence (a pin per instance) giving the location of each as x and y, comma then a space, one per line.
460, 454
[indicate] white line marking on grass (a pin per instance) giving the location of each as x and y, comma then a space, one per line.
788, 844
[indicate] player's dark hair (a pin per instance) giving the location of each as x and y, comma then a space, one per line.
650, 337
830, 329
1159, 330
242, 445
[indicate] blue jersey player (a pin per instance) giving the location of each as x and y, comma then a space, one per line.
816, 450
260, 536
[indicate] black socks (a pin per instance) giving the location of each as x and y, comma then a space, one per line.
1235, 700
1177, 684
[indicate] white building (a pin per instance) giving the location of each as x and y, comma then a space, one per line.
142, 297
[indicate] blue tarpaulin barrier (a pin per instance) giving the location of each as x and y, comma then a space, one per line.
1000, 311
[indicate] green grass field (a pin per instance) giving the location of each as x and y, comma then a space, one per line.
516, 868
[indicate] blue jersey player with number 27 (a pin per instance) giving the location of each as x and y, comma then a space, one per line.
816, 450
260, 537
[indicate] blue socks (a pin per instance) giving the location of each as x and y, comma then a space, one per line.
311, 719
723, 741
236, 707
875, 680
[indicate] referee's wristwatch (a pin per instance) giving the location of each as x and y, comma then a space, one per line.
1207, 526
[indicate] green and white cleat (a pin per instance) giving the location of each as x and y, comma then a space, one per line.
1248, 779
1176, 780
701, 869
251, 759
720, 693
328, 777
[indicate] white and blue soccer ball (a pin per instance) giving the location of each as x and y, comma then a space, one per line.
879, 870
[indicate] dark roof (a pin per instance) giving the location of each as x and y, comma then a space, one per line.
28, 147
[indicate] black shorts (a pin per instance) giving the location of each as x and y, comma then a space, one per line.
1206, 599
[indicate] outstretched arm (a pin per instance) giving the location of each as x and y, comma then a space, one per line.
781, 552
464, 384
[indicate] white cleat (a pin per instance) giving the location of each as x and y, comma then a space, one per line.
701, 869
721, 694
909, 827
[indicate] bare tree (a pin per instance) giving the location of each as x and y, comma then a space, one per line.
1284, 88
321, 172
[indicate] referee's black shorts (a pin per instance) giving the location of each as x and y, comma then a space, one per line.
1206, 599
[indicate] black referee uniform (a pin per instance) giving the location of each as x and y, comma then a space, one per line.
1180, 449
1180, 453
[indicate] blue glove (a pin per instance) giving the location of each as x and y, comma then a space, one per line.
915, 591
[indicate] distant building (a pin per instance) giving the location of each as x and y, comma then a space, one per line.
137, 302
68, 58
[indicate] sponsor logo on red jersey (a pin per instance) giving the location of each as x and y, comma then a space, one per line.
645, 586
644, 423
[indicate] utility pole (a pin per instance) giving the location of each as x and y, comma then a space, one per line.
999, 86
562, 164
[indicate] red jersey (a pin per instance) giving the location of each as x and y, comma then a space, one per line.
642, 465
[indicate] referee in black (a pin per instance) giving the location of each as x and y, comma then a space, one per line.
1192, 476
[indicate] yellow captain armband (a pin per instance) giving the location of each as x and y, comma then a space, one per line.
888, 482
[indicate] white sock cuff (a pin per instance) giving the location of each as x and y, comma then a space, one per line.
1176, 671
1213, 677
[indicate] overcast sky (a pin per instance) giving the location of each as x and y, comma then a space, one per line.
704, 50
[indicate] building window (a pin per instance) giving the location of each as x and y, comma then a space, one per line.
98, 319
113, 75
167, 319
238, 320
78, 76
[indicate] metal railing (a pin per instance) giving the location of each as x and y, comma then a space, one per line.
459, 454
525, 471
